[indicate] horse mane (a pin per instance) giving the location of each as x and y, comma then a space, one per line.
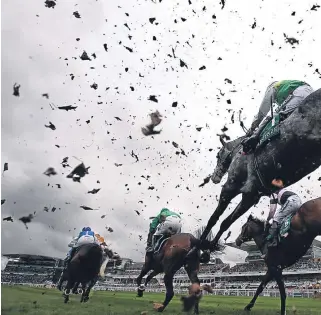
234, 143
198, 232
258, 221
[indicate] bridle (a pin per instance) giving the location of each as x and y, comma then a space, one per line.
228, 156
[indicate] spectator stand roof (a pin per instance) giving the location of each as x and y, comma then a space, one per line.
27, 257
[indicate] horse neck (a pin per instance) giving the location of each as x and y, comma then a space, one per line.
258, 236
232, 146
234, 143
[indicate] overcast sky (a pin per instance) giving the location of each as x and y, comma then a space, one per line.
244, 42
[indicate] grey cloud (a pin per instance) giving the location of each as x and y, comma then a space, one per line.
33, 55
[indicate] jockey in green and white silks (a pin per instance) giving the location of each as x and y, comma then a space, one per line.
289, 203
166, 223
285, 96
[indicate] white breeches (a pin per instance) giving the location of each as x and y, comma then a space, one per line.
291, 205
298, 96
85, 239
172, 225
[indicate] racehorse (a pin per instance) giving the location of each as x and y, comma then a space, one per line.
295, 154
83, 269
169, 259
305, 226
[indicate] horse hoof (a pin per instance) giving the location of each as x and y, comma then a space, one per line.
247, 308
86, 298
159, 307
65, 292
140, 291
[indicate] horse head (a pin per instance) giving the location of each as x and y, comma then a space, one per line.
250, 229
224, 158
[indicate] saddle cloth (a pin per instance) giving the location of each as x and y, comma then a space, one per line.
285, 226
271, 130
284, 229
160, 243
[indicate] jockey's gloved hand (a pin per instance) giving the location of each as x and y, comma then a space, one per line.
266, 227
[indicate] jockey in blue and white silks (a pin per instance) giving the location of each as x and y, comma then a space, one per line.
86, 236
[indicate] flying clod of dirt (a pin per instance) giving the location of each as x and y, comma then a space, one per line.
51, 126
16, 88
84, 56
26, 220
50, 4
78, 172
5, 167
155, 121
50, 171
8, 219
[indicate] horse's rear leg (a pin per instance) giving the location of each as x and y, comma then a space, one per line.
67, 290
83, 288
87, 291
146, 268
279, 281
266, 279
75, 288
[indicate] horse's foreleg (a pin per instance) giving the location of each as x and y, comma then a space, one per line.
191, 268
266, 279
280, 283
246, 203
227, 194
61, 280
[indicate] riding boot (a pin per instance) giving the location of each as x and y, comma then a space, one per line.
273, 242
156, 240
249, 144
68, 258
149, 247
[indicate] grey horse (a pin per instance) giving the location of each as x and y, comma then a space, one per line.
295, 154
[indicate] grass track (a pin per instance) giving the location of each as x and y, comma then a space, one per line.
38, 301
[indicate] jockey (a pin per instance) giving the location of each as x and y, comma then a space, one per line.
86, 236
289, 201
287, 95
167, 223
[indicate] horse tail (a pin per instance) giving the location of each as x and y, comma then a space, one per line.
103, 267
204, 246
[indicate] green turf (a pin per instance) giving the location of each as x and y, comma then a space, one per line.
36, 301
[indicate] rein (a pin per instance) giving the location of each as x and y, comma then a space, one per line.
260, 176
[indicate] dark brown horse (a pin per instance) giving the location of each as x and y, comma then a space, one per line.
83, 269
170, 258
305, 226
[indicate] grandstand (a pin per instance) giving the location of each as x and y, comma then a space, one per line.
301, 279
